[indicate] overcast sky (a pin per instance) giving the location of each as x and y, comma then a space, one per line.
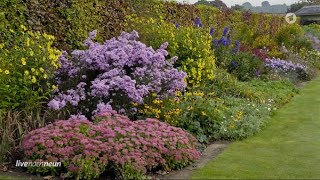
253, 2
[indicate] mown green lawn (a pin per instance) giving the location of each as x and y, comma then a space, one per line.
288, 148
9, 178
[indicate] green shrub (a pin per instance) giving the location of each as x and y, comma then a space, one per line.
314, 29
281, 91
292, 36
210, 118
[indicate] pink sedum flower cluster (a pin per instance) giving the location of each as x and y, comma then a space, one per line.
113, 139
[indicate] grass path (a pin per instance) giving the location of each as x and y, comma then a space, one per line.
288, 148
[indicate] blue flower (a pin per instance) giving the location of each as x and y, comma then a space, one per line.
225, 31
236, 47
197, 22
211, 31
177, 25
234, 64
215, 42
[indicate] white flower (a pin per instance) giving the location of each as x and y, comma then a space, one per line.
269, 109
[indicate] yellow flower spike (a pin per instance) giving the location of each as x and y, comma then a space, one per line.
54, 87
23, 61
33, 70
26, 73
232, 126
28, 42
23, 27
1, 46
7, 72
41, 69
190, 108
45, 76
31, 53
178, 93
203, 113
33, 79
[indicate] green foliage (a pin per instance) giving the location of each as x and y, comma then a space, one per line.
281, 91
210, 118
25, 68
12, 16
127, 171
227, 85
311, 58
314, 29
292, 36
244, 66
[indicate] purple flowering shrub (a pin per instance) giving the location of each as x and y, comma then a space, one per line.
87, 149
287, 69
119, 72
282, 65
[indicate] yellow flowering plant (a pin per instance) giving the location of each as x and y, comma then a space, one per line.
26, 66
191, 45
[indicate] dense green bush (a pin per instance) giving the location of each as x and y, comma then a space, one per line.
292, 36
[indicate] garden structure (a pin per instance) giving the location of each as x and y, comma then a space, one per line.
309, 14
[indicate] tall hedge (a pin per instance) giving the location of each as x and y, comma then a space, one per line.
70, 21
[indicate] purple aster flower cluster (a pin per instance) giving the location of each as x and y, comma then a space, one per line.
121, 68
279, 65
114, 139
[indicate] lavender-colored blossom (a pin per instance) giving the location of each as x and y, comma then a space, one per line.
177, 25
78, 117
120, 67
279, 65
